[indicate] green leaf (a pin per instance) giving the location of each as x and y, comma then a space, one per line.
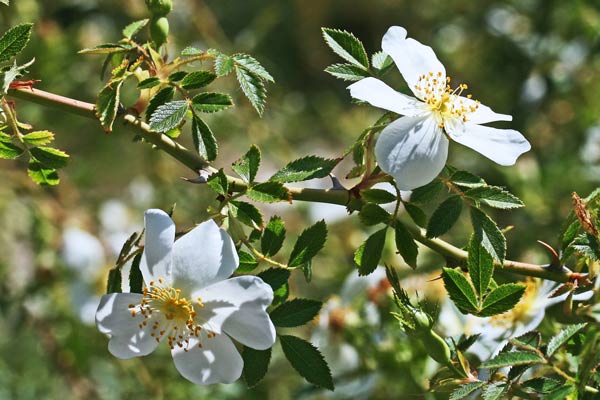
367, 256
305, 168
10, 151
406, 244
372, 214
218, 182
106, 48
481, 266
494, 196
382, 62
223, 64
268, 192
247, 166
204, 140
347, 46
253, 88
247, 262
488, 234
136, 280
14, 41
444, 217
38, 138
256, 364
494, 391
163, 96
309, 243
273, 237
562, 338
460, 290
41, 174
531, 340
560, 393
50, 157
177, 76
247, 214
307, 361
113, 284
211, 102
251, 64
542, 385
513, 358
347, 72
197, 79
378, 196
587, 246
501, 299
295, 312
191, 51
168, 116
134, 28
466, 179
148, 83
275, 277
108, 104
427, 194
416, 214
464, 390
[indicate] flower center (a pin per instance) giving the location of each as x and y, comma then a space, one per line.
441, 99
522, 311
171, 315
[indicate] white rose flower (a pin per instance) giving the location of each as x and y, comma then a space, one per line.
189, 303
414, 148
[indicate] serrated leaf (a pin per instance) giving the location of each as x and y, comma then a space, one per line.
10, 151
50, 157
280, 295
168, 116
38, 138
273, 237
494, 391
247, 166
148, 83
268, 192
191, 51
302, 169
347, 72
464, 390
223, 64
106, 48
487, 233
427, 194
177, 76
501, 299
480, 265
14, 41
587, 245
211, 102
445, 216
251, 64
460, 290
136, 280
528, 341
10, 74
247, 214
134, 28
295, 312
256, 364
108, 104
513, 358
542, 385
466, 179
309, 243
560, 393
275, 277
113, 283
562, 338
253, 87
347, 46
367, 256
307, 361
218, 182
406, 245
377, 196
494, 196
372, 214
204, 140
416, 214
41, 174
247, 262
382, 62
197, 79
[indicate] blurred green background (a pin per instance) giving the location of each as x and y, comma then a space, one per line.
537, 60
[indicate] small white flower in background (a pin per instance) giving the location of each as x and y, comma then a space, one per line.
189, 303
414, 148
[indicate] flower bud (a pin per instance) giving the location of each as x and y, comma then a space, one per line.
159, 8
159, 30
436, 347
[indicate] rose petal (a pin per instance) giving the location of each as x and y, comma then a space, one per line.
160, 234
237, 306
502, 146
218, 361
482, 114
381, 95
413, 150
412, 58
203, 256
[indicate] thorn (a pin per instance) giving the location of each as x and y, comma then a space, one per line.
335, 183
202, 177
555, 263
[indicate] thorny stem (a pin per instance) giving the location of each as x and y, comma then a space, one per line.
332, 196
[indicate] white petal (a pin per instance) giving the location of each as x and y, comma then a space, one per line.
237, 307
482, 114
413, 150
412, 58
160, 234
502, 146
114, 318
378, 94
203, 256
218, 361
